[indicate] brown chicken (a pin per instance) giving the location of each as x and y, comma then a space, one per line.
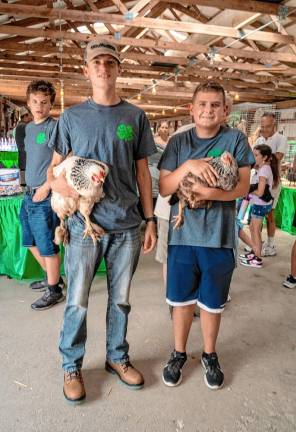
85, 176
227, 170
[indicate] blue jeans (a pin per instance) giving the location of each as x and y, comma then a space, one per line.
38, 222
121, 252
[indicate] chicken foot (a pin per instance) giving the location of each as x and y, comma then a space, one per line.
92, 230
61, 234
179, 218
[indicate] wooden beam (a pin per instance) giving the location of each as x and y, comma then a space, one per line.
192, 13
286, 104
241, 5
174, 14
154, 72
188, 47
282, 30
151, 23
94, 8
139, 6
120, 6
139, 83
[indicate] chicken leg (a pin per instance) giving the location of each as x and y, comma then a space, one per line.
61, 233
91, 229
179, 218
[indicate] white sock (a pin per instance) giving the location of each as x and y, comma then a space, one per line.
270, 241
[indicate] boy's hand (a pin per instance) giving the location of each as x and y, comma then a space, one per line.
61, 186
41, 193
203, 170
149, 238
202, 192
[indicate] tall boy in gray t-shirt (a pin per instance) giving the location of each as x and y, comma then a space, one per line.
37, 217
109, 129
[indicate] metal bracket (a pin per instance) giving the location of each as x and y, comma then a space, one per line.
283, 12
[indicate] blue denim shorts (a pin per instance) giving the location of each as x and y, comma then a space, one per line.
39, 222
260, 211
199, 275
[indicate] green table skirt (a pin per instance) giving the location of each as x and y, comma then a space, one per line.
9, 159
16, 261
285, 210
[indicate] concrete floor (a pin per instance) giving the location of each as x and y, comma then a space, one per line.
257, 347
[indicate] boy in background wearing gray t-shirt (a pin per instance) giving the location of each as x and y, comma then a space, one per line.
200, 253
37, 217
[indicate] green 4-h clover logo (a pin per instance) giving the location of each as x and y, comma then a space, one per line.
41, 138
125, 132
215, 153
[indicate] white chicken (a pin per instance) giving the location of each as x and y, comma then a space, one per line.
85, 176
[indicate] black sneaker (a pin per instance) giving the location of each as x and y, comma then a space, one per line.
43, 284
290, 282
48, 300
214, 377
172, 372
39, 285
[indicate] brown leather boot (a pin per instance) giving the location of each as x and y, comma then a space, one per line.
74, 390
127, 374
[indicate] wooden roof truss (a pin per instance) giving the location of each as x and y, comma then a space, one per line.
167, 48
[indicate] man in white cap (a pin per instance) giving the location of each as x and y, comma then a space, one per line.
111, 130
279, 146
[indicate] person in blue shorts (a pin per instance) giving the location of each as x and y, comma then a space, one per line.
37, 218
200, 253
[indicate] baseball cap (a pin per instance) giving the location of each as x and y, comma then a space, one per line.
95, 48
23, 111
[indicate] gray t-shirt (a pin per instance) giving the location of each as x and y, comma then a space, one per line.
39, 151
213, 227
117, 135
154, 171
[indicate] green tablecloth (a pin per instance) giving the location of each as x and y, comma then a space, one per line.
285, 210
9, 159
15, 260
18, 263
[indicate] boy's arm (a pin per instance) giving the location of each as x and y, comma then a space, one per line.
145, 189
169, 180
59, 184
215, 194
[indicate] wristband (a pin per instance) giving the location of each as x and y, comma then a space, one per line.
151, 219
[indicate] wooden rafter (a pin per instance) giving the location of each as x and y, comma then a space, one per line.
188, 27
240, 5
190, 48
260, 67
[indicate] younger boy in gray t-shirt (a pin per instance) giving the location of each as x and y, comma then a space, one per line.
200, 253
37, 217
